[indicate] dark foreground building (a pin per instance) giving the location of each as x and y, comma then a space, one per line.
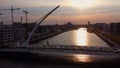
10, 34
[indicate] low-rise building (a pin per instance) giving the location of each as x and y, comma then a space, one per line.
10, 34
118, 28
115, 28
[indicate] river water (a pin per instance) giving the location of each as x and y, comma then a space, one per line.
78, 37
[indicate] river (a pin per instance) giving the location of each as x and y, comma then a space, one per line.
78, 37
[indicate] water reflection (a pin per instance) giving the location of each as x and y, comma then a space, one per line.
82, 58
81, 37
78, 37
92, 58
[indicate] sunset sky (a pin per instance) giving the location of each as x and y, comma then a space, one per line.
76, 11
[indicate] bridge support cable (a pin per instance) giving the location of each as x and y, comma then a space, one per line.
25, 44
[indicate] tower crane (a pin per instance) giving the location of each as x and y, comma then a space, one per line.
1, 14
26, 13
12, 14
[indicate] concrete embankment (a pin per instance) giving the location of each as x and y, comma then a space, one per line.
48, 36
108, 41
44, 37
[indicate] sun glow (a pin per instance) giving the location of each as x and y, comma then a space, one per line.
83, 3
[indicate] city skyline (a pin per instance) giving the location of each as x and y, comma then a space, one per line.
76, 11
59, 33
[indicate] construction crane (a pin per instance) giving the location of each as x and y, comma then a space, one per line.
21, 18
1, 14
12, 14
26, 13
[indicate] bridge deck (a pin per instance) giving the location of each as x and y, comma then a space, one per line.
63, 47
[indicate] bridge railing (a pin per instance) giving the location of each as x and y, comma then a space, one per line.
68, 47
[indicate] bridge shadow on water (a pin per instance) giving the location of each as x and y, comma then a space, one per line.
27, 60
